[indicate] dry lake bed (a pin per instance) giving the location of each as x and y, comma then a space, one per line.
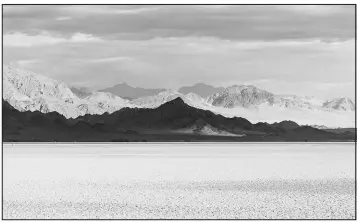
179, 181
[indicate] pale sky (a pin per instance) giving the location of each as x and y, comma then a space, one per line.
303, 50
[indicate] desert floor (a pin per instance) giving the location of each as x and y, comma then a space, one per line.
192, 181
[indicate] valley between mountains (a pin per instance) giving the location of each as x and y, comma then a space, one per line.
38, 108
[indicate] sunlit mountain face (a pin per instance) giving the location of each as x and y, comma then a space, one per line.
28, 91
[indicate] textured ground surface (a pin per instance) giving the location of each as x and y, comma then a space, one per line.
203, 181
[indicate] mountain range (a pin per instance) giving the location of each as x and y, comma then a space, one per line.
240, 96
171, 121
28, 91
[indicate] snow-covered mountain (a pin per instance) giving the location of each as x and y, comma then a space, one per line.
341, 104
258, 105
248, 96
293, 102
28, 91
240, 96
101, 102
195, 98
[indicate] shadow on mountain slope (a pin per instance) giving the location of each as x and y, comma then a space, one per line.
173, 121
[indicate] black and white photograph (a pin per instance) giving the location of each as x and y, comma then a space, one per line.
179, 111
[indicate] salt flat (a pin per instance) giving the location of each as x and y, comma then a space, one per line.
196, 181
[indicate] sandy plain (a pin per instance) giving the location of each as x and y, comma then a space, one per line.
179, 181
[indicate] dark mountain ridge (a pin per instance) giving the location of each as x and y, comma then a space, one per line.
174, 114
131, 124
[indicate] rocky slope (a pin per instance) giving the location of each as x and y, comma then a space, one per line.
240, 96
293, 102
248, 96
101, 102
28, 91
341, 104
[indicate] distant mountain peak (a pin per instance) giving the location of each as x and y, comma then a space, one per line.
168, 92
203, 84
201, 89
340, 104
124, 90
80, 92
240, 96
123, 84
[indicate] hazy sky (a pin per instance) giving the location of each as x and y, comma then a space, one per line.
304, 50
